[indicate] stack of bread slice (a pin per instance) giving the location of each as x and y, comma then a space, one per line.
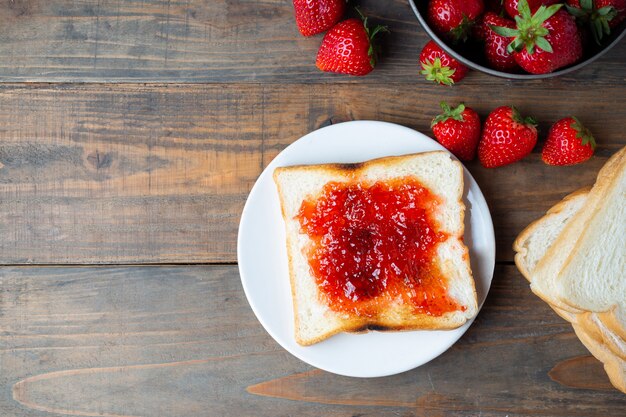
575, 260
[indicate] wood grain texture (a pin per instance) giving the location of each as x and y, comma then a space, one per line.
207, 41
140, 341
133, 174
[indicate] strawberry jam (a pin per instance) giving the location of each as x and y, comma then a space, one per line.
376, 243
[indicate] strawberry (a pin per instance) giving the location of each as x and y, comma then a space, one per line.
496, 46
545, 41
473, 8
620, 10
347, 48
317, 16
481, 29
452, 19
506, 137
568, 143
458, 130
599, 15
440, 67
512, 6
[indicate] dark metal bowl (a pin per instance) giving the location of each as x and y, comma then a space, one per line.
473, 57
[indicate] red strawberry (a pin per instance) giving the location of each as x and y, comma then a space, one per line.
472, 8
620, 10
512, 6
614, 16
317, 16
348, 49
506, 138
452, 19
545, 41
458, 130
599, 15
568, 143
481, 28
496, 46
440, 67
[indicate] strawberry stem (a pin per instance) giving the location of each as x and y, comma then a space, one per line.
460, 33
530, 32
449, 113
597, 19
373, 50
583, 133
517, 117
434, 71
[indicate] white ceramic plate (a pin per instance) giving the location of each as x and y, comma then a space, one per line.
262, 254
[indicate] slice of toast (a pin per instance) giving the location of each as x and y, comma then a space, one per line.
314, 318
584, 268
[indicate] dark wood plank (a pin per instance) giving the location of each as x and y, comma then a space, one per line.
126, 174
206, 41
137, 341
132, 173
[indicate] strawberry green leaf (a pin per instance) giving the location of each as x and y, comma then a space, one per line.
531, 32
504, 31
542, 43
460, 32
607, 11
517, 117
524, 9
377, 30
373, 50
580, 14
449, 113
586, 4
583, 133
434, 71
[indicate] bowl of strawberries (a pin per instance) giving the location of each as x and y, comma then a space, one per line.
517, 39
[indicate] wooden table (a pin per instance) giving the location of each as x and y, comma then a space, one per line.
130, 135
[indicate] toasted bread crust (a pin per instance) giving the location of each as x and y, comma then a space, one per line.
349, 172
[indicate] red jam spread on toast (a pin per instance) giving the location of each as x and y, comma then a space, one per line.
373, 243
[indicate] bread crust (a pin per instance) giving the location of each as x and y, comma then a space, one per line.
614, 366
592, 324
354, 324
609, 319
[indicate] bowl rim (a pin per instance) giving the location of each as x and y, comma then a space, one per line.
509, 75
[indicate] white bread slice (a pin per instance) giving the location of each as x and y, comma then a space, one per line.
314, 320
614, 366
535, 240
533, 243
584, 268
